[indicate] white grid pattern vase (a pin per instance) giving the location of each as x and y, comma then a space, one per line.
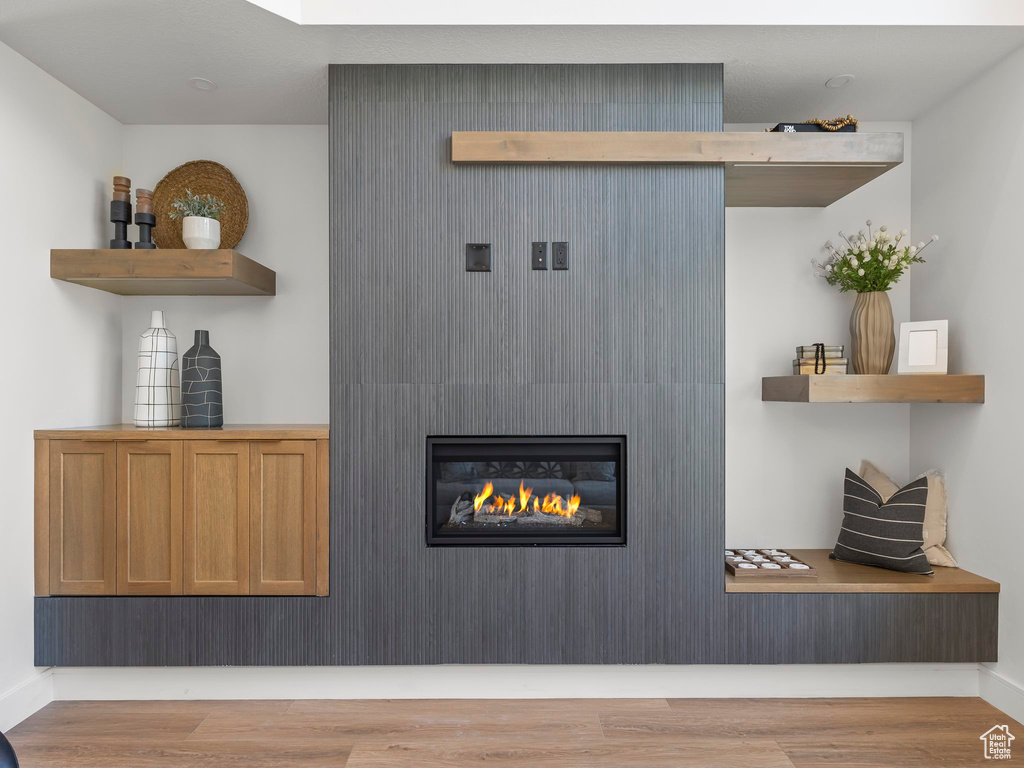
157, 387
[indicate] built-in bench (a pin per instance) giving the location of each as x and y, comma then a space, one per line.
835, 577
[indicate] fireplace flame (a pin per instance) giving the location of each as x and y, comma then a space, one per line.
492, 503
524, 496
480, 498
574, 504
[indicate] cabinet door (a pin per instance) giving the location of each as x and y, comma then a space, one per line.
216, 518
149, 480
282, 518
82, 517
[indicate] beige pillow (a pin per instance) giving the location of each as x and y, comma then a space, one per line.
934, 511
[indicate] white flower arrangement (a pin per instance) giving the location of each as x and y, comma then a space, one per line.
871, 261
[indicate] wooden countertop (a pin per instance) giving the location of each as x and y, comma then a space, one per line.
836, 577
227, 432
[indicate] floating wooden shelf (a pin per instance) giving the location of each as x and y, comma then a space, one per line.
905, 388
838, 577
164, 272
772, 170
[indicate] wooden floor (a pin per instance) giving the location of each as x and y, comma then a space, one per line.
577, 733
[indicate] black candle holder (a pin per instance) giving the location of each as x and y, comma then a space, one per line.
121, 212
121, 216
146, 222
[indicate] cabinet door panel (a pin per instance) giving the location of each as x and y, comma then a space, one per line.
282, 518
149, 532
216, 517
82, 517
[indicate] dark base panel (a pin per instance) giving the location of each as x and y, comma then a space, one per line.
846, 629
760, 629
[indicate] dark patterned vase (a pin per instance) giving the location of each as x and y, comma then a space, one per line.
202, 403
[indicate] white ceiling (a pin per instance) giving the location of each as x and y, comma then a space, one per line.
133, 59
720, 12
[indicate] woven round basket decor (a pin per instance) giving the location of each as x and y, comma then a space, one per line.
203, 177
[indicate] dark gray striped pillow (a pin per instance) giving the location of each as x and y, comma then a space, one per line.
886, 534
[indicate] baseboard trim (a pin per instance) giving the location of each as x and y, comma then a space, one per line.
514, 681
26, 699
1001, 692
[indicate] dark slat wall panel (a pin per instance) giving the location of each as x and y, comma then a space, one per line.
628, 341
623, 343
800, 629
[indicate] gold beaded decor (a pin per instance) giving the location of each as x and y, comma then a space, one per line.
830, 125
835, 125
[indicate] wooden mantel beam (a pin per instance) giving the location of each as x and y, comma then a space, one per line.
772, 170
728, 148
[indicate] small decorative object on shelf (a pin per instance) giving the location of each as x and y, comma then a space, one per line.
820, 359
199, 214
773, 563
202, 400
846, 124
209, 178
824, 367
157, 387
145, 218
870, 263
924, 347
812, 351
121, 212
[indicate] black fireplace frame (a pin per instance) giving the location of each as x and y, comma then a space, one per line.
513, 445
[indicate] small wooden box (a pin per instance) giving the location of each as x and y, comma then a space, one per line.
738, 562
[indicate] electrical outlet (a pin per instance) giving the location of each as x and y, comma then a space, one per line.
539, 256
478, 257
559, 255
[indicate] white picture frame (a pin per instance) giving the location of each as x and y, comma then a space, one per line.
924, 347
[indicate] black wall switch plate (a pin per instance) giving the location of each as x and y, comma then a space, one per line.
478, 257
539, 256
559, 255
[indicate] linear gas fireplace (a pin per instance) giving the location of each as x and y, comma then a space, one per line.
526, 490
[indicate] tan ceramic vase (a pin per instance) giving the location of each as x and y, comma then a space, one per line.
871, 331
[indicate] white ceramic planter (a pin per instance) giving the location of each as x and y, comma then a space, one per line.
200, 232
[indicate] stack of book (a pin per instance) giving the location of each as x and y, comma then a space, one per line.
820, 359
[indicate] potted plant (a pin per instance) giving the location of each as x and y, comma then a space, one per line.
199, 214
870, 263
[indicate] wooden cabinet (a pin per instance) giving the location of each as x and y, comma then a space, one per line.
131, 511
81, 483
216, 560
149, 481
282, 518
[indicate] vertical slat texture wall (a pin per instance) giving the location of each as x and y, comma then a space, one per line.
628, 341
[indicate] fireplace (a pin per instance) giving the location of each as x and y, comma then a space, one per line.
526, 491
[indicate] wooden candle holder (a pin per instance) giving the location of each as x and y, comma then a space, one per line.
121, 212
145, 218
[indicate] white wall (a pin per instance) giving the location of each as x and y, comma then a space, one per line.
274, 349
784, 462
967, 188
62, 343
